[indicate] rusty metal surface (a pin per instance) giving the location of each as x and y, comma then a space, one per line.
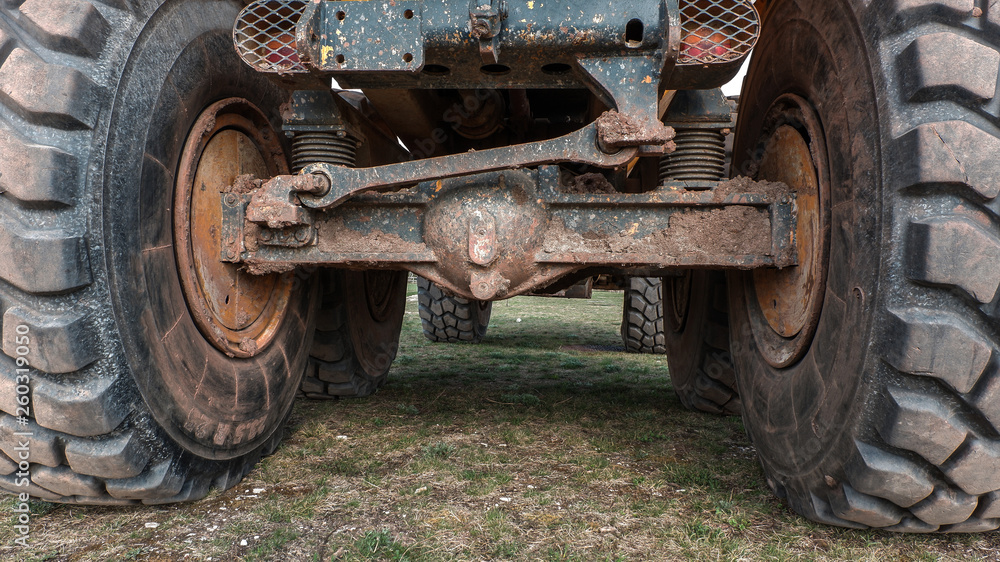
580, 290
500, 234
238, 312
788, 302
629, 84
486, 21
363, 36
470, 44
494, 43
277, 204
784, 296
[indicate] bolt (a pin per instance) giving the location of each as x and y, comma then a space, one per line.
266, 235
231, 199
302, 234
229, 255
482, 29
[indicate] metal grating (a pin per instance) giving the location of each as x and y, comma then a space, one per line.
717, 31
265, 35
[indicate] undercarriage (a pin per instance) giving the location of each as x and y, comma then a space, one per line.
532, 153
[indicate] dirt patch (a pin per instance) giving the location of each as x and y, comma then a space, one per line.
728, 231
267, 268
348, 241
773, 191
616, 130
246, 184
588, 183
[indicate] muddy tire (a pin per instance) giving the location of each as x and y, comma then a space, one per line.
872, 398
696, 328
642, 315
357, 334
450, 319
134, 384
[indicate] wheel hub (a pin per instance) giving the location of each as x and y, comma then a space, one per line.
789, 300
237, 312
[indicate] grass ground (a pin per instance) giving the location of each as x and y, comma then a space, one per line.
530, 446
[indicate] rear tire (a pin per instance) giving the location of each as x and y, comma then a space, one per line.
131, 398
642, 315
696, 328
873, 402
450, 319
357, 334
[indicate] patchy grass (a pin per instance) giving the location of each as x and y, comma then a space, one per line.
530, 446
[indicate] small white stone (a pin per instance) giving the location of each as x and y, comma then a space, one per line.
223, 508
258, 490
518, 320
342, 437
505, 499
243, 542
152, 525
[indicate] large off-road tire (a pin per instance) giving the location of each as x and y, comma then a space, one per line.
696, 329
149, 381
450, 319
642, 315
357, 333
869, 373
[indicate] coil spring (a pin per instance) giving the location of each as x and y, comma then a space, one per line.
323, 147
700, 155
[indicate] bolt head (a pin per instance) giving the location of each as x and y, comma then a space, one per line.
302, 234
230, 199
